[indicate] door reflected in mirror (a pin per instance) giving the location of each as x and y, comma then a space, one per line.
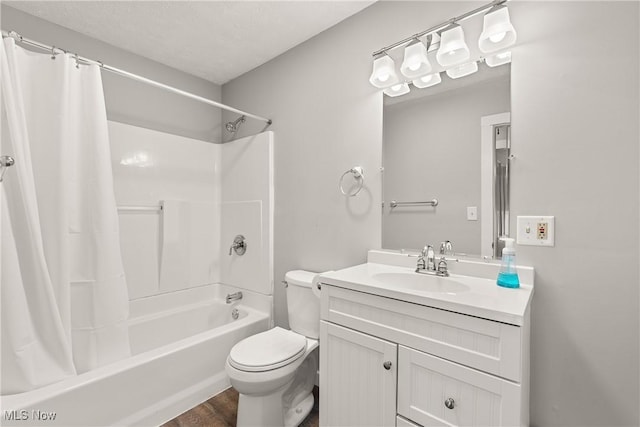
448, 142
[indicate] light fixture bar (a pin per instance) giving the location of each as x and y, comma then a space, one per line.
440, 26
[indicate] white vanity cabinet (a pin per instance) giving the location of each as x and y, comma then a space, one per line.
386, 362
361, 371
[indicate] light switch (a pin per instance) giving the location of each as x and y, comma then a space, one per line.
472, 213
536, 230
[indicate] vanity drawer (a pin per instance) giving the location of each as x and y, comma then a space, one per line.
436, 392
483, 344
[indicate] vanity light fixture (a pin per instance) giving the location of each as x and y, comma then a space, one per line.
498, 59
384, 72
497, 31
452, 54
397, 90
462, 70
453, 49
427, 81
415, 62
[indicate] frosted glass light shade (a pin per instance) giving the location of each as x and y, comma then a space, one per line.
384, 72
498, 59
497, 32
462, 70
427, 81
453, 49
397, 90
415, 62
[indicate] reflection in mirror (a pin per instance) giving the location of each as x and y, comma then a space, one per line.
433, 149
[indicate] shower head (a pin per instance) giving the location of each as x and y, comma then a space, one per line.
233, 126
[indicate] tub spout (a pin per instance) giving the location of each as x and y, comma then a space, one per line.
234, 297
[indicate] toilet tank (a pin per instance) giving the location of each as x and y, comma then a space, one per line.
302, 304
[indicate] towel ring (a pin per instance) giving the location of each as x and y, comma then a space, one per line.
358, 174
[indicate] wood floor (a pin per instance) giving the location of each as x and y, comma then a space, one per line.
221, 411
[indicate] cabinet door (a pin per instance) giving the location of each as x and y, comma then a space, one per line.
437, 392
358, 375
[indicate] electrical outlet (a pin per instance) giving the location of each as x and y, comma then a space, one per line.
542, 228
535, 230
472, 213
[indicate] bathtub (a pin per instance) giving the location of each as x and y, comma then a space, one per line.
179, 343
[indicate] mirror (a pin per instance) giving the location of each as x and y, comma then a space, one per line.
448, 142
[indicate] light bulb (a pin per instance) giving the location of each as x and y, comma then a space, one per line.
397, 90
497, 31
453, 49
415, 62
383, 74
427, 81
495, 38
498, 59
462, 70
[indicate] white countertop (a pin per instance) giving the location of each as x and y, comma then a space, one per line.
483, 298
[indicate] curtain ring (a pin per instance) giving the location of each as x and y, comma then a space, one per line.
358, 174
75, 55
53, 52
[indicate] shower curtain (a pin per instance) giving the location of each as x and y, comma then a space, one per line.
63, 294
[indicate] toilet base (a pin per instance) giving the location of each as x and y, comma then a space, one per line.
260, 410
294, 416
267, 411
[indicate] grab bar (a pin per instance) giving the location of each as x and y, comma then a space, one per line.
432, 202
157, 208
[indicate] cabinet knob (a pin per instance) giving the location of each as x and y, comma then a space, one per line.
387, 365
449, 403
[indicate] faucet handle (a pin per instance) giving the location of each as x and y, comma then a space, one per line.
430, 251
446, 248
443, 269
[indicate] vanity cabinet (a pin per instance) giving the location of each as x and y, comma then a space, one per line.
386, 362
361, 371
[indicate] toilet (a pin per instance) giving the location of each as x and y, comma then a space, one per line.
274, 371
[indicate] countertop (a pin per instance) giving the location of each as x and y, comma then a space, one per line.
483, 298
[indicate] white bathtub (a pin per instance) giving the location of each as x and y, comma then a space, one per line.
179, 342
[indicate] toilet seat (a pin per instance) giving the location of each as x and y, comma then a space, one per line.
268, 350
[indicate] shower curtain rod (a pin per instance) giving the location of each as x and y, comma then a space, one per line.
53, 49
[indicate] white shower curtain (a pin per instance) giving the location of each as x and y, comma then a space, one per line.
63, 295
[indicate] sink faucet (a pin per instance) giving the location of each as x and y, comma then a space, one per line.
431, 259
427, 263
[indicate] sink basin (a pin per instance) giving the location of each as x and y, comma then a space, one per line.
421, 282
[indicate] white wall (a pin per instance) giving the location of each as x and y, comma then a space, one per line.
575, 135
128, 101
319, 103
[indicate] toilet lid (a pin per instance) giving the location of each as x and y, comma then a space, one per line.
268, 350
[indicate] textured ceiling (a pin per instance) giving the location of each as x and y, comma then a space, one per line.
215, 40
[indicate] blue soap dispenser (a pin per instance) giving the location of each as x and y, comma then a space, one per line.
508, 275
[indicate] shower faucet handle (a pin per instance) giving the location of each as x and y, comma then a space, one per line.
239, 245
